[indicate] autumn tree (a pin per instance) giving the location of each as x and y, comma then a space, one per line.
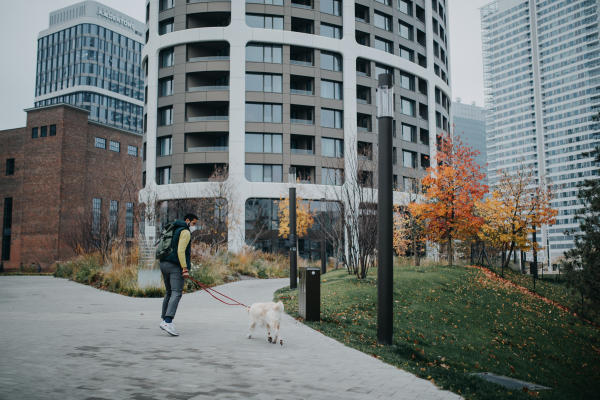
453, 186
517, 204
401, 240
412, 183
304, 217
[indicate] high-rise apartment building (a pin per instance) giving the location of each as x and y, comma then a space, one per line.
541, 66
90, 57
469, 123
265, 85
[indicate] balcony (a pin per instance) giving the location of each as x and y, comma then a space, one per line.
303, 85
301, 56
305, 4
304, 174
204, 1
302, 25
363, 94
304, 115
200, 142
361, 13
207, 111
208, 20
207, 81
363, 122
205, 172
208, 51
302, 144
363, 67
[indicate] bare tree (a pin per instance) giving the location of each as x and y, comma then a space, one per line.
352, 184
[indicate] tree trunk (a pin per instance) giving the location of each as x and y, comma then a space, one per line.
450, 253
415, 254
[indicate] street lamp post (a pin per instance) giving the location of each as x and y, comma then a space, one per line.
385, 259
292, 237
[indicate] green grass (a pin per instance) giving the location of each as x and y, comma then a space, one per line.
552, 286
451, 322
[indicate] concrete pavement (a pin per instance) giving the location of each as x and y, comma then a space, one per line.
64, 340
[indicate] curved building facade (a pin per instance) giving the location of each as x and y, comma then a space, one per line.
90, 57
265, 85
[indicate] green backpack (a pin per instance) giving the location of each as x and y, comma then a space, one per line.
165, 242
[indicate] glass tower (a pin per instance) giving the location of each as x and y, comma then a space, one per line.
541, 62
90, 56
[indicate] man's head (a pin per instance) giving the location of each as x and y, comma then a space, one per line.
190, 219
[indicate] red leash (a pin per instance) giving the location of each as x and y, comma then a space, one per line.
208, 290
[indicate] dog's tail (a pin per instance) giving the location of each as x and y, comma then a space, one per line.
280, 305
248, 310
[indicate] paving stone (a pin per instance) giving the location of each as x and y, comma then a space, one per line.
74, 341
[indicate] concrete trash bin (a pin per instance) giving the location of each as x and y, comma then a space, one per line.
309, 297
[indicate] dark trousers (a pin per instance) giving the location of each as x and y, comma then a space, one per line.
173, 277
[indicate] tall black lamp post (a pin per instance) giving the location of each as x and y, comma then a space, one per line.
385, 211
292, 237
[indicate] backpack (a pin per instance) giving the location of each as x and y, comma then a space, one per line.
165, 242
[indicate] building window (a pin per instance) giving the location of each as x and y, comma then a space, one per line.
163, 176
384, 45
405, 6
166, 4
166, 87
166, 58
407, 81
331, 61
257, 112
52, 130
10, 166
114, 146
332, 147
129, 220
7, 228
382, 21
165, 116
409, 133
114, 217
34, 133
331, 90
385, 2
165, 146
100, 143
96, 215
409, 159
410, 185
132, 150
264, 143
333, 7
264, 173
44, 131
264, 53
405, 30
332, 176
331, 31
166, 26
264, 83
408, 107
264, 21
331, 118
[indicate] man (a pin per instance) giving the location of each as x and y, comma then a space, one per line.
39, 267
1, 267
174, 269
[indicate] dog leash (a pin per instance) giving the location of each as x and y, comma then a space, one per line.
208, 290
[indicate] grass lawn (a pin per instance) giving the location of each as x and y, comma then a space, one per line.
451, 322
553, 287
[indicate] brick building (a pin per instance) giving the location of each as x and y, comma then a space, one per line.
62, 168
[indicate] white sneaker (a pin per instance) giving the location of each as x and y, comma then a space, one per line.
170, 328
162, 324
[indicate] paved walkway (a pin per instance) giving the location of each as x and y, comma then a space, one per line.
63, 340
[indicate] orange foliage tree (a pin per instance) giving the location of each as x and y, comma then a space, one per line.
452, 188
519, 202
304, 217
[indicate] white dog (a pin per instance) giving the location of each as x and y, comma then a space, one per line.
269, 314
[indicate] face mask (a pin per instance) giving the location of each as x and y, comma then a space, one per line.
192, 228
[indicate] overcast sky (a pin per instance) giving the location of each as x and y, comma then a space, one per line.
22, 20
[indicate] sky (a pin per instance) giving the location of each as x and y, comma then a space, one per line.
22, 20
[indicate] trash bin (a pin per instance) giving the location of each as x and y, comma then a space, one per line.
309, 298
533, 269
